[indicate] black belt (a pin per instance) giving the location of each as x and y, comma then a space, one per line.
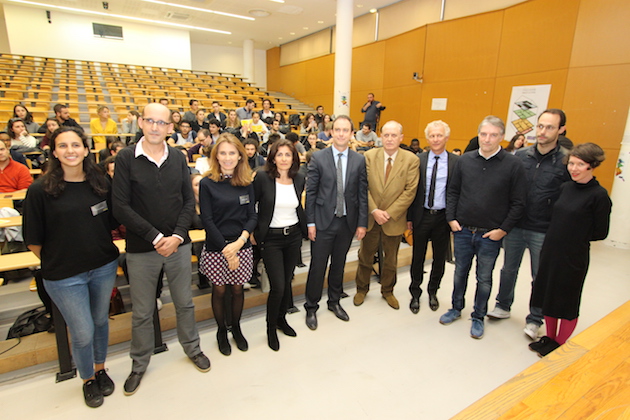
286, 231
431, 211
475, 229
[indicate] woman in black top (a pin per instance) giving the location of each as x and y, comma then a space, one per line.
281, 227
228, 214
67, 224
580, 215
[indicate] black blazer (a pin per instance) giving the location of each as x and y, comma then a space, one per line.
265, 192
416, 210
321, 190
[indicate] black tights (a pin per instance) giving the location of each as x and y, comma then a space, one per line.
218, 305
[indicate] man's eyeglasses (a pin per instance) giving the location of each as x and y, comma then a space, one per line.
160, 123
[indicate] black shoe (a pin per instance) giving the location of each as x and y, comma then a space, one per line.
272, 339
433, 303
338, 311
104, 382
241, 342
301, 265
201, 361
92, 394
311, 319
292, 310
415, 305
343, 295
537, 345
254, 284
224, 344
548, 348
132, 383
286, 328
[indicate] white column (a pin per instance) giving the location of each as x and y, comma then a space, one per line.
619, 235
248, 60
343, 57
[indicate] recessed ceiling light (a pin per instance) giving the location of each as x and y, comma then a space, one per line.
320, 21
277, 1
199, 9
112, 15
306, 27
359, 5
373, 10
291, 33
259, 13
279, 37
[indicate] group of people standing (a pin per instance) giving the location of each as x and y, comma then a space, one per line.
69, 214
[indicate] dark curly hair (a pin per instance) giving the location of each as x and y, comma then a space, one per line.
53, 180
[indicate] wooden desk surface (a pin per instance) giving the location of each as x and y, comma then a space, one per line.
17, 195
10, 221
587, 378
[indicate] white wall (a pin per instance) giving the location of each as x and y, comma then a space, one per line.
228, 60
70, 36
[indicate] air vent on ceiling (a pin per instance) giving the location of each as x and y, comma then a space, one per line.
177, 16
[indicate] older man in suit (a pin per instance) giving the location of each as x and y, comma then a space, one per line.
427, 214
336, 209
392, 180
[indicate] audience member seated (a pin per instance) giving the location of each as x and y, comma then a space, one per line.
204, 139
62, 114
51, 125
253, 157
266, 146
457, 152
326, 135
13, 176
200, 120
325, 121
319, 115
102, 125
20, 139
313, 143
366, 138
197, 247
176, 118
517, 142
164, 101
202, 164
15, 155
295, 139
20, 111
258, 126
284, 127
414, 146
275, 128
233, 123
266, 115
109, 166
190, 114
246, 112
185, 137
309, 125
112, 150
130, 124
217, 114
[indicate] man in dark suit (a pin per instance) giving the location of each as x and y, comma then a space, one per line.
427, 214
336, 209
217, 114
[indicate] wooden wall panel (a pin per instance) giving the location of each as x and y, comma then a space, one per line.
403, 105
367, 67
274, 74
469, 101
602, 33
463, 49
404, 55
596, 103
537, 36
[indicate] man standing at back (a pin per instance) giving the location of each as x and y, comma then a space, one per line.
372, 110
153, 198
336, 209
392, 182
427, 214
190, 115
484, 201
546, 171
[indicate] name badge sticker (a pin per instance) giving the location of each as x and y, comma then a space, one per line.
243, 199
99, 208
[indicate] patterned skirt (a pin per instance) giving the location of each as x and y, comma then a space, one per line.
214, 266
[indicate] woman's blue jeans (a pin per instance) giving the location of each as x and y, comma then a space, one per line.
83, 300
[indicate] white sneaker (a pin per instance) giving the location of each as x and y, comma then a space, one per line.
531, 330
159, 304
498, 313
247, 286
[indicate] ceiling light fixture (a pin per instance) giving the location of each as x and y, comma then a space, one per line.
259, 13
200, 9
111, 15
277, 1
373, 10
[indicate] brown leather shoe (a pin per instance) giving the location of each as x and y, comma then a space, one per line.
392, 301
359, 298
